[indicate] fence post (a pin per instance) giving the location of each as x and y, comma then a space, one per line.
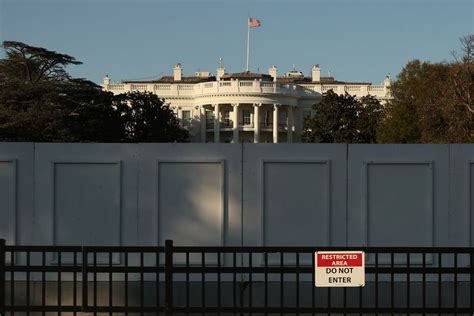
2, 277
85, 279
169, 277
472, 279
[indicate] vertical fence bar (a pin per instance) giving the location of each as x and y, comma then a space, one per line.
94, 276
203, 280
377, 280
392, 281
219, 283
2, 276
84, 279
313, 281
234, 281
43, 282
142, 288
440, 281
28, 290
424, 284
157, 278
455, 283
126, 282
282, 280
187, 281
472, 279
110, 283
12, 280
250, 282
408, 280
59, 281
266, 282
74, 283
169, 277
298, 282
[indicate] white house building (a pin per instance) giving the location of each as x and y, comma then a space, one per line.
246, 106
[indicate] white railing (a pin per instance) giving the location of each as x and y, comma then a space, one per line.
139, 87
116, 87
185, 87
325, 88
250, 86
352, 88
375, 88
246, 83
162, 87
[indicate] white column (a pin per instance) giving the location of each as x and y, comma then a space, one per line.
297, 123
289, 128
179, 114
217, 126
235, 120
275, 122
202, 117
256, 122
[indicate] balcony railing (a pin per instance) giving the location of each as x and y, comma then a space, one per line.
229, 124
250, 86
245, 124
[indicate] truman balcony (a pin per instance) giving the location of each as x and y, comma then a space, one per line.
255, 122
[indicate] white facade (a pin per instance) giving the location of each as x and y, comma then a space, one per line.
266, 108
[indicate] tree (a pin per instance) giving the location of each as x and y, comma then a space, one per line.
39, 101
343, 119
29, 64
369, 116
399, 124
462, 76
146, 118
432, 102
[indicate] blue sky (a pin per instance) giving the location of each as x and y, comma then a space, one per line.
354, 40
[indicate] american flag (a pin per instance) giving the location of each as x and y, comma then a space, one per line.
254, 22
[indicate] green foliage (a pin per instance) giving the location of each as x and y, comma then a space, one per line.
400, 125
40, 102
146, 118
343, 119
31, 64
369, 115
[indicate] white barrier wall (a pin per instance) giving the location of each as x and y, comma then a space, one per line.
234, 194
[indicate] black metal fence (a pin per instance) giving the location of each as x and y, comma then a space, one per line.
170, 280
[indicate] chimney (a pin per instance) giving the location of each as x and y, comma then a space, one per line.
388, 81
316, 73
220, 68
106, 81
273, 72
177, 72
220, 72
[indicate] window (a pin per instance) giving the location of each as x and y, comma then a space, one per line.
225, 119
246, 115
282, 118
186, 118
268, 118
209, 119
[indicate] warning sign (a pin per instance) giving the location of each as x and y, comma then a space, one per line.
339, 268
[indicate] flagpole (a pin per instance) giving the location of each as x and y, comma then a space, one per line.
248, 42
